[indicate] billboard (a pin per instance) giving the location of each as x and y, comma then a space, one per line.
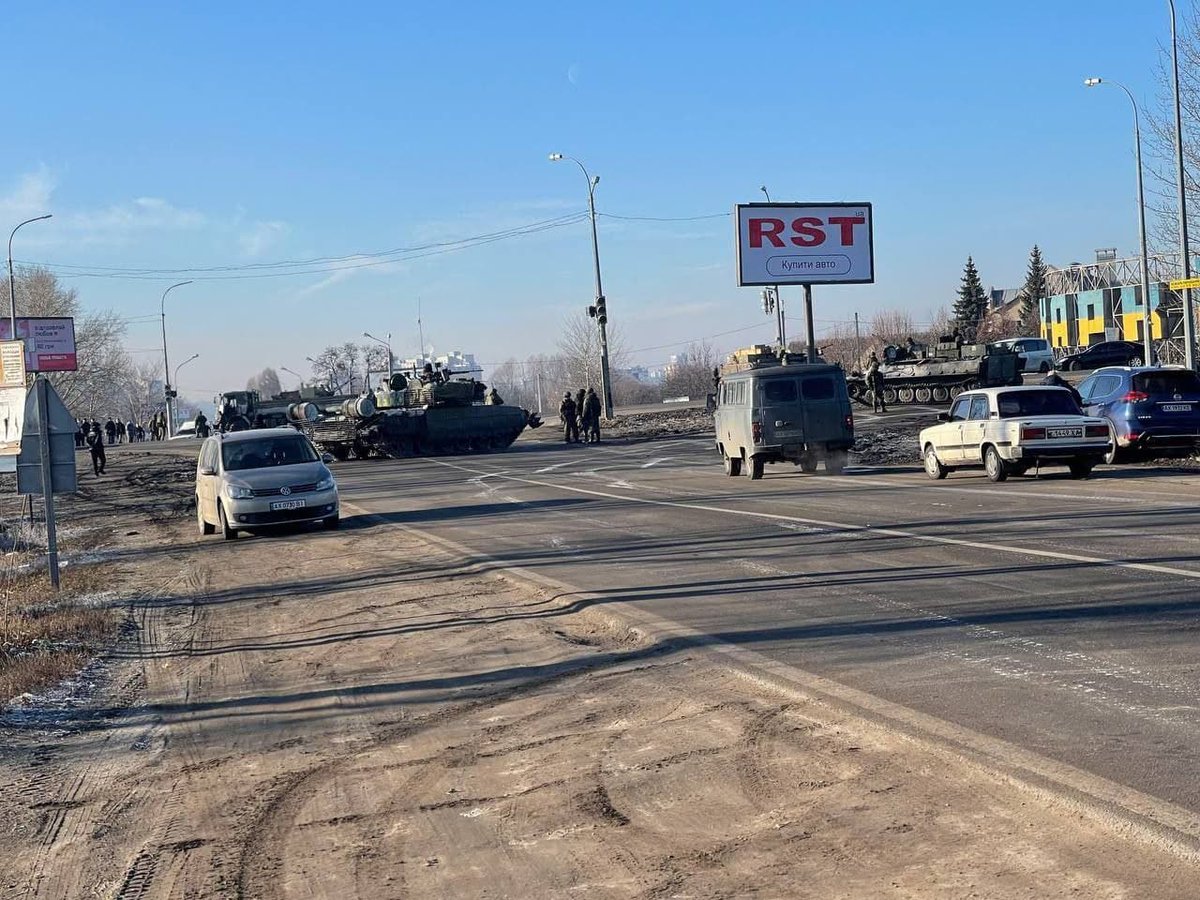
49, 342
804, 243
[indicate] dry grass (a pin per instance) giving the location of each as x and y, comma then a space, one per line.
44, 637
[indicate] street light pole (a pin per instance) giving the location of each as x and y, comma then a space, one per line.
601, 304
780, 315
12, 283
290, 372
388, 344
174, 422
1141, 199
1189, 350
162, 309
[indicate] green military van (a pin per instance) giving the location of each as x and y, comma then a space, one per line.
798, 413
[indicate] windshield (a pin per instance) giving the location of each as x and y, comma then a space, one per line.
1050, 402
260, 453
1158, 384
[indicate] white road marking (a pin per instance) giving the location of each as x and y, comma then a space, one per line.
843, 526
655, 462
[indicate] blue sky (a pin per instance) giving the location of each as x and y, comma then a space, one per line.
234, 134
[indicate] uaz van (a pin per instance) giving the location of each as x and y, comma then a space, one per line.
784, 413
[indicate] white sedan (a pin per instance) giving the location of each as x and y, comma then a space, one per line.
1010, 430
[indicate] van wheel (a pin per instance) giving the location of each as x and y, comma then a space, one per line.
227, 533
204, 526
733, 467
754, 468
807, 463
835, 462
997, 469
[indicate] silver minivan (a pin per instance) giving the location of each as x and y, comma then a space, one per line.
784, 413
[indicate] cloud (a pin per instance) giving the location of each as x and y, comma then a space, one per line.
144, 214
30, 196
335, 277
262, 236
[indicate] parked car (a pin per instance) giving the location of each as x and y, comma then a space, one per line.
1035, 353
186, 430
1148, 408
1106, 353
1009, 430
247, 480
798, 413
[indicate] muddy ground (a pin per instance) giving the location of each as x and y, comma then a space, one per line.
365, 714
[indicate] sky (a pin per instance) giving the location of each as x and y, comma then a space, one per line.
221, 139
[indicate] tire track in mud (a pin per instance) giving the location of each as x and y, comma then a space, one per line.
258, 860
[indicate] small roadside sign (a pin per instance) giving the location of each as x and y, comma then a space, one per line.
1184, 284
12, 364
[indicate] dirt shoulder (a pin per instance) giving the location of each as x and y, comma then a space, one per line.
367, 714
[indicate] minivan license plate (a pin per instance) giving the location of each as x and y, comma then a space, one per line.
1064, 432
1177, 407
286, 504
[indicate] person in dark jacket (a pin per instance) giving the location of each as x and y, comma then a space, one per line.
95, 442
569, 415
1056, 380
591, 417
110, 430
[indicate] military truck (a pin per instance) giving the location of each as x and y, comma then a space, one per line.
934, 375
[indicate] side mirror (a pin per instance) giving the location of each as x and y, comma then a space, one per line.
943, 417
208, 470
327, 458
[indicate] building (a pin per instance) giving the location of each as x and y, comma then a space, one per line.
457, 362
1100, 301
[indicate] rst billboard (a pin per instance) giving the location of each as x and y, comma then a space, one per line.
49, 342
804, 243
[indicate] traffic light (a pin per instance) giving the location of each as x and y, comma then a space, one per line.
591, 312
768, 301
601, 311
172, 393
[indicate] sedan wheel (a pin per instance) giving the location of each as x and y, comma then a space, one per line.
933, 466
1135, 360
996, 468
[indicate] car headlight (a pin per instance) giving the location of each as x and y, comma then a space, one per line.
325, 484
238, 492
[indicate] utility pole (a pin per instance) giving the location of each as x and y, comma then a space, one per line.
808, 321
857, 345
1189, 336
782, 330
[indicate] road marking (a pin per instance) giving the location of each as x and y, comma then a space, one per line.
655, 462
553, 467
843, 526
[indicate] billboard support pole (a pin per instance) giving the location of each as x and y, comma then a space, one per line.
808, 322
43, 413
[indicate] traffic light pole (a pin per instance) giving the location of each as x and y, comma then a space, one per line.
601, 307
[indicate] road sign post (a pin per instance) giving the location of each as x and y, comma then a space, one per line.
1184, 284
46, 462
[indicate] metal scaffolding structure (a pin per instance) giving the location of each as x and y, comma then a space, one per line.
1110, 273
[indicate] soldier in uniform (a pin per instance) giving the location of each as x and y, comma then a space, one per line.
591, 417
95, 442
875, 382
567, 412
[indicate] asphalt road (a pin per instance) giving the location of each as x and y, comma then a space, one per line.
1058, 615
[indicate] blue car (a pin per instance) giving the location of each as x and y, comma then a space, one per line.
1149, 409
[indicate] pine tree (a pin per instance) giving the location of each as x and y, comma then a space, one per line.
972, 301
1033, 292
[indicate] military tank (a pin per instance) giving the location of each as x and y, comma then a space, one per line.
409, 416
920, 375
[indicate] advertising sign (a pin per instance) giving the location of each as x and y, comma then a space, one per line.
49, 343
804, 243
12, 419
12, 364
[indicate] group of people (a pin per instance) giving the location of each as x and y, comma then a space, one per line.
93, 435
580, 411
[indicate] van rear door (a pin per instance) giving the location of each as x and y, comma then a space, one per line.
782, 412
826, 405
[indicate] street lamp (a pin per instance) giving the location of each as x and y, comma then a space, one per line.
388, 344
1189, 349
12, 284
1141, 199
290, 372
601, 304
162, 309
174, 423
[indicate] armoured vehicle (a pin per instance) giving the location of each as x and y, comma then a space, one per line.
917, 375
410, 416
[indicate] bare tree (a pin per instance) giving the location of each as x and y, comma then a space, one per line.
579, 350
375, 359
265, 382
338, 366
891, 326
692, 373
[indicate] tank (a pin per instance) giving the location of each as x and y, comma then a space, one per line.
934, 376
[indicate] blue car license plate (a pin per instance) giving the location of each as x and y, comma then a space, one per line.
279, 505
1177, 407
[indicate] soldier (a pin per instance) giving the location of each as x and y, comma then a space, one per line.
1056, 380
493, 398
95, 442
875, 382
591, 417
201, 425
110, 430
567, 412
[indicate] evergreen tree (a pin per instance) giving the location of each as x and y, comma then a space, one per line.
1033, 292
972, 301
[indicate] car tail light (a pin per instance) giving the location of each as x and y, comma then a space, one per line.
1033, 434
1132, 437
1135, 397
756, 431
1096, 431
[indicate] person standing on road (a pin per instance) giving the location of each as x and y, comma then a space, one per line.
131, 431
591, 417
95, 442
875, 381
110, 430
567, 412
201, 425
